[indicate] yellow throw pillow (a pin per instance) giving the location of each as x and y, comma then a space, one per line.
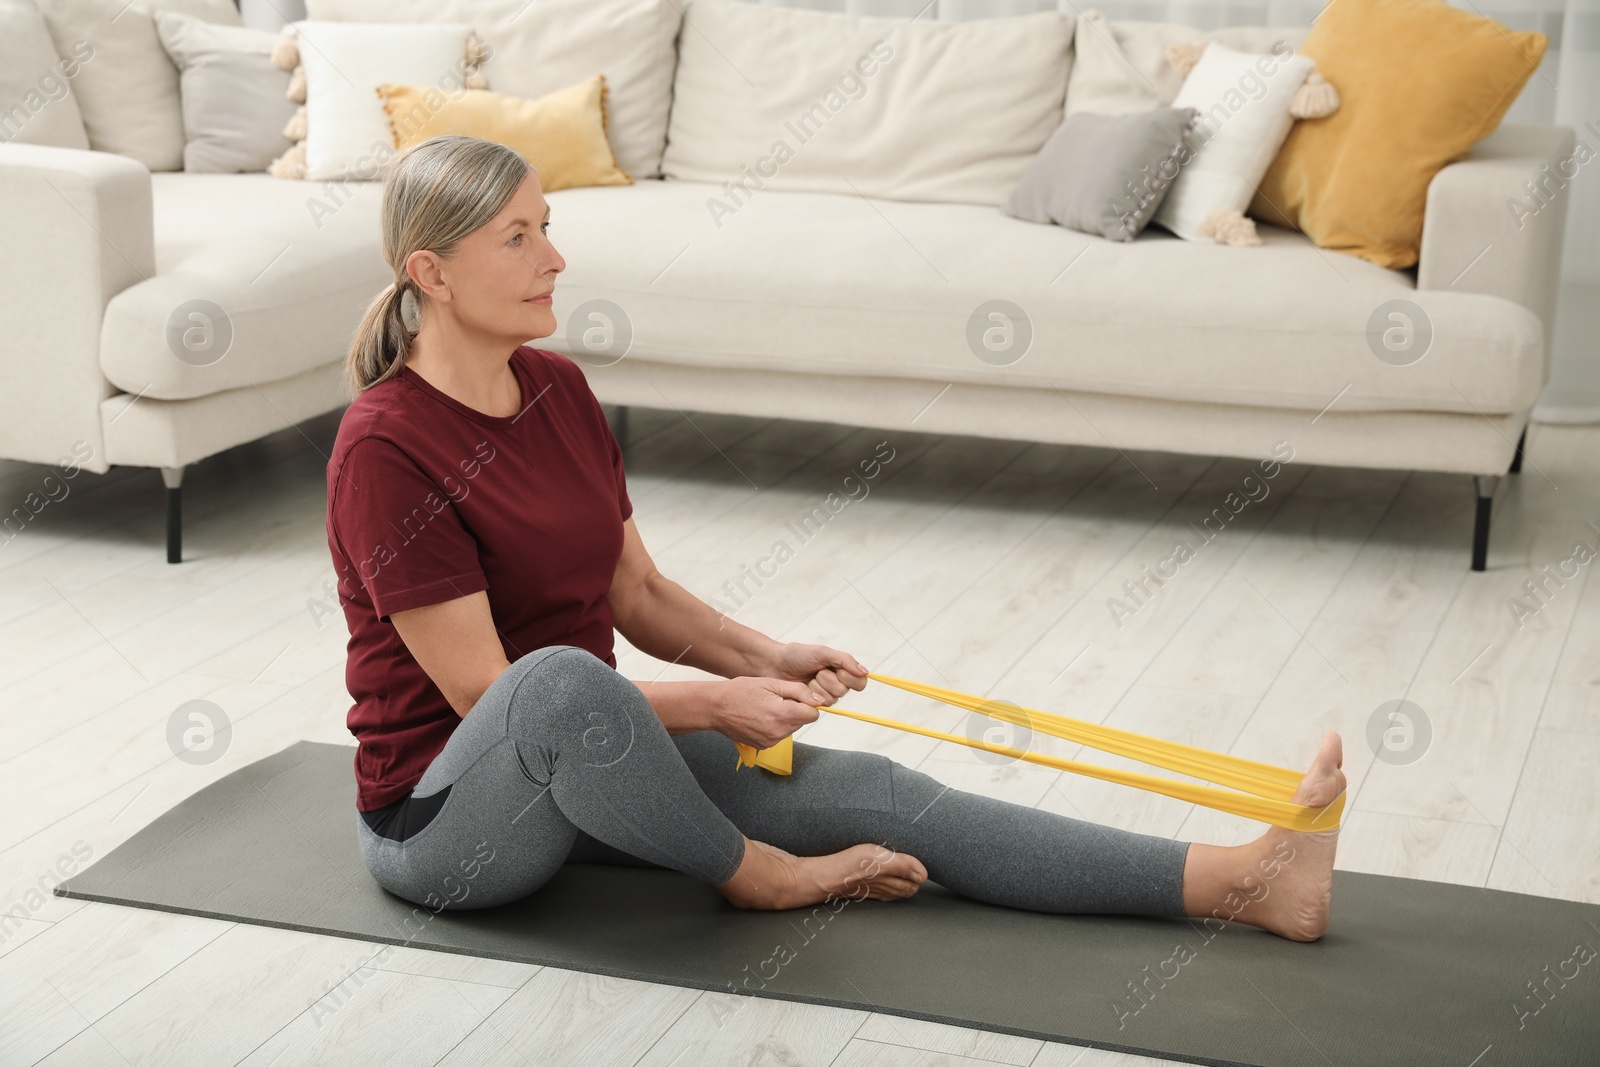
563, 134
1422, 83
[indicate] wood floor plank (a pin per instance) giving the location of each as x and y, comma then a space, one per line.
63, 982
1404, 846
402, 1019
1055, 1054
1547, 847
1573, 703
760, 1031
561, 1016
863, 1053
245, 985
948, 1040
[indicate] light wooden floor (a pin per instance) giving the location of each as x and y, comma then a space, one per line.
985, 565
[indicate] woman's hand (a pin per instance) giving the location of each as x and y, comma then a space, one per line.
828, 672
763, 711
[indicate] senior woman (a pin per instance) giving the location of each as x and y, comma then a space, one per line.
479, 519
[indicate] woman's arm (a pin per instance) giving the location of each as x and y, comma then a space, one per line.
772, 680
661, 618
456, 644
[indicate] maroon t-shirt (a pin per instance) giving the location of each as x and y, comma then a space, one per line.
430, 500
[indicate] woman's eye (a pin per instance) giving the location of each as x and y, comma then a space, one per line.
544, 227
517, 238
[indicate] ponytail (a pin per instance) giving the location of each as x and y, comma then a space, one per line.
383, 340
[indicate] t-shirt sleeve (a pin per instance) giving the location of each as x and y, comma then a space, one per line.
402, 535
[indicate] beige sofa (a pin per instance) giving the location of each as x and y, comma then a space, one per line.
854, 307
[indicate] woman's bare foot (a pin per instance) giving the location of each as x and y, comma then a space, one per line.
1282, 881
772, 879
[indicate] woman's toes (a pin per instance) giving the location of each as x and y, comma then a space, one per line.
897, 887
1323, 781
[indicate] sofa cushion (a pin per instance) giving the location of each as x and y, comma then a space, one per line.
849, 287
769, 98
128, 90
35, 83
540, 46
292, 266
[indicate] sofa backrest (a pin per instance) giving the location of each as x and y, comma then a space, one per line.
911, 109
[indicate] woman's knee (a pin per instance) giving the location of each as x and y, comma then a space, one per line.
565, 699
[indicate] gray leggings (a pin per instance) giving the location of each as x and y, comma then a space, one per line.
563, 760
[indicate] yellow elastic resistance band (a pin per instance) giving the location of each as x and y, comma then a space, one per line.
1266, 790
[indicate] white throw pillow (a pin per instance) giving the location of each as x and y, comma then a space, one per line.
1243, 99
128, 89
540, 46
347, 132
890, 107
1121, 66
35, 83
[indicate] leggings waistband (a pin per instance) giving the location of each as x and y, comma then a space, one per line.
406, 817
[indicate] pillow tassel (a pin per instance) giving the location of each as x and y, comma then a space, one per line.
1230, 228
292, 164
1183, 55
286, 50
297, 85
1315, 99
477, 52
295, 129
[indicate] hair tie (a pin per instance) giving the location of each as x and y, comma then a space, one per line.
410, 312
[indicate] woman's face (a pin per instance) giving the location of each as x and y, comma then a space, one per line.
499, 281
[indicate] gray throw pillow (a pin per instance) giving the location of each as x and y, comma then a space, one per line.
234, 102
1105, 174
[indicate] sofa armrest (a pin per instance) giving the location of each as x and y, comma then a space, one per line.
75, 230
1484, 231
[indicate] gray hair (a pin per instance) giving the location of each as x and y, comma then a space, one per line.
434, 194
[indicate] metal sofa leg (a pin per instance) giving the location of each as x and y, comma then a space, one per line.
1516, 461
172, 477
622, 425
1485, 484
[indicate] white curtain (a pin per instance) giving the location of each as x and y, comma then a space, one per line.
1564, 91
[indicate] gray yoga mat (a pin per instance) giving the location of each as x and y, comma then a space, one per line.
1410, 973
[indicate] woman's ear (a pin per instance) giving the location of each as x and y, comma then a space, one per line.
426, 272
